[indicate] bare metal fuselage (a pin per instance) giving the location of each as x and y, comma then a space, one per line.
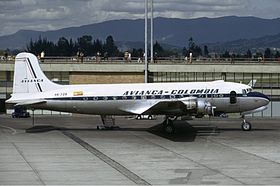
115, 107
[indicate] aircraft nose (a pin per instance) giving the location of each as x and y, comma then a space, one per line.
266, 99
261, 98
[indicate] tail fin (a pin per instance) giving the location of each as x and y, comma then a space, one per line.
252, 83
28, 76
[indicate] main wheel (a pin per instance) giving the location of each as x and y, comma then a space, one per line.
138, 117
168, 127
246, 126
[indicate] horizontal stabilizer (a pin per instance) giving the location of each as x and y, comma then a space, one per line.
31, 102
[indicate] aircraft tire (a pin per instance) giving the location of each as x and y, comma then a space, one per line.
168, 127
138, 117
246, 126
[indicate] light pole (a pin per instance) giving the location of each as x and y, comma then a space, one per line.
146, 41
152, 32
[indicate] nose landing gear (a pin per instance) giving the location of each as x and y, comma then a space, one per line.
245, 125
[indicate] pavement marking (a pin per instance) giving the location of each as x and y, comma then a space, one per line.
185, 157
112, 163
14, 131
243, 151
34, 170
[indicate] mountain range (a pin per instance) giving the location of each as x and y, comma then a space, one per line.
242, 45
222, 32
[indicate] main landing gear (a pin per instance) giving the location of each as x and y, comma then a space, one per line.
108, 123
245, 125
168, 125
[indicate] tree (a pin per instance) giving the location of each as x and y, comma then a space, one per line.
158, 49
267, 53
40, 45
277, 54
194, 49
258, 54
185, 51
137, 52
248, 54
110, 47
205, 51
191, 45
85, 44
72, 47
97, 46
63, 47
226, 54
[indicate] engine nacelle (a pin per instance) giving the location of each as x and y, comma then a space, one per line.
199, 107
204, 107
191, 104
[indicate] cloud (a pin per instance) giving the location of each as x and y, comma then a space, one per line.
55, 14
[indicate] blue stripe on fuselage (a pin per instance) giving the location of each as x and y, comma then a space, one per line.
144, 97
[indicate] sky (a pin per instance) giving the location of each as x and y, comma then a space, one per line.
45, 15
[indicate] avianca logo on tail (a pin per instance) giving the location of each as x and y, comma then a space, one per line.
34, 76
32, 80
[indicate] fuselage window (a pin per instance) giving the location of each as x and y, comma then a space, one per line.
232, 97
153, 97
179, 96
143, 97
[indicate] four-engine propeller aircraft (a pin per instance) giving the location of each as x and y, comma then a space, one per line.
33, 89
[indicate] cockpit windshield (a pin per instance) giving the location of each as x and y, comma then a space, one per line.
246, 91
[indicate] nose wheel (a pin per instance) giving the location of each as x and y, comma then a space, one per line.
245, 125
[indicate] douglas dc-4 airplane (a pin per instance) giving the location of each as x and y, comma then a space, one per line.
34, 90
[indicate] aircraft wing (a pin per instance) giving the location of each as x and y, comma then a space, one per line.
158, 106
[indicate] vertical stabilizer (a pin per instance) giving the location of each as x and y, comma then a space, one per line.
28, 76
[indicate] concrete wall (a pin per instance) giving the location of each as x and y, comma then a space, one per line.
208, 67
139, 67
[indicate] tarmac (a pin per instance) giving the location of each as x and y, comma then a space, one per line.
71, 151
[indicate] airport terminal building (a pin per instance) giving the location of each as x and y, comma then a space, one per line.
69, 71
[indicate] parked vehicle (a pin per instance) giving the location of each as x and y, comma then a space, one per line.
149, 117
20, 112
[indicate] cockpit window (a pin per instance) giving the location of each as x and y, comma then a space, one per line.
246, 91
